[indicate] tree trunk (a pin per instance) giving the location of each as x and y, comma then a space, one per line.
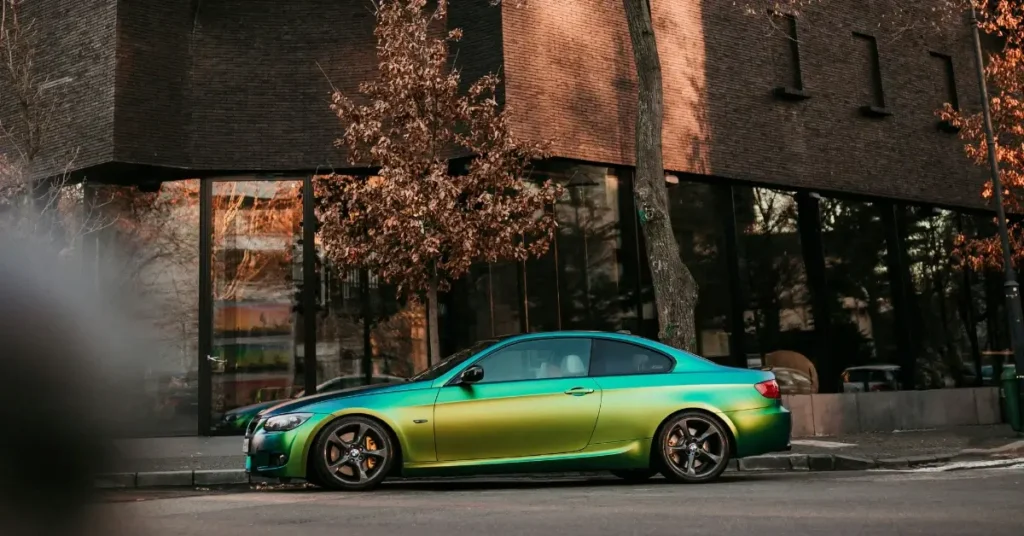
434, 348
675, 290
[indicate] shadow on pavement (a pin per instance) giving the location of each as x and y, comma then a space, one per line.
503, 483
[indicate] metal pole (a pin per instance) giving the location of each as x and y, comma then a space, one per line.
310, 286
1010, 287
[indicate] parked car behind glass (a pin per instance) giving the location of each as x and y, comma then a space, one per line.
871, 378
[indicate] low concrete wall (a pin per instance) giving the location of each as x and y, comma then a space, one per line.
848, 413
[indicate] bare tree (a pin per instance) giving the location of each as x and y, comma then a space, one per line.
675, 289
33, 201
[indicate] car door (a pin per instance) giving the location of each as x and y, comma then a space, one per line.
534, 399
630, 377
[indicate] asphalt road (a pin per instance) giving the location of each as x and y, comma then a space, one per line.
989, 502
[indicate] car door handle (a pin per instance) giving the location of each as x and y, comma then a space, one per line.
579, 391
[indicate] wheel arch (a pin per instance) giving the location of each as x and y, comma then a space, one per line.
397, 443
719, 417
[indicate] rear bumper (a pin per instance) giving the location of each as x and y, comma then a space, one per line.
762, 431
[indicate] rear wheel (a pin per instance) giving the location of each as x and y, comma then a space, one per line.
352, 454
635, 475
693, 448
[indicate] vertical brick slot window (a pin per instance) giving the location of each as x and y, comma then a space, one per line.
867, 48
786, 55
947, 92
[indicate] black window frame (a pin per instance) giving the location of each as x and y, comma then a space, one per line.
590, 369
878, 107
504, 347
795, 76
949, 75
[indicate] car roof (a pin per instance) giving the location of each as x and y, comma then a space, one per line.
621, 335
571, 333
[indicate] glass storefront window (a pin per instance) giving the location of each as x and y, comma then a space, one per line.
863, 319
696, 215
779, 319
398, 336
987, 311
149, 246
578, 284
339, 328
466, 310
946, 352
255, 259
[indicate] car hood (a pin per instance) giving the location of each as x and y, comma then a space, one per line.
290, 406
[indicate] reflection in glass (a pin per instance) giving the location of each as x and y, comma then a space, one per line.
946, 352
504, 303
398, 334
255, 259
697, 225
863, 324
986, 305
339, 329
365, 332
466, 309
779, 320
578, 283
149, 246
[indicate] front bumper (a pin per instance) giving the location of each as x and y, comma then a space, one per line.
280, 454
762, 431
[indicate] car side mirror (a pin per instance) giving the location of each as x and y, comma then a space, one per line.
471, 375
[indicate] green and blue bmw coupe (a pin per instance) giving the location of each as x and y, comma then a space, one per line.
543, 402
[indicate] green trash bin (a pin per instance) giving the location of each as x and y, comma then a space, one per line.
1009, 394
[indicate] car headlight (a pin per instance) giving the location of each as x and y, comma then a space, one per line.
283, 423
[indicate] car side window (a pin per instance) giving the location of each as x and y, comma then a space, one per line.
538, 359
615, 358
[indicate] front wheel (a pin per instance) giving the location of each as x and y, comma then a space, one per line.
352, 454
693, 448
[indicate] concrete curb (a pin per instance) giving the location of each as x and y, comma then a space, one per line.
795, 462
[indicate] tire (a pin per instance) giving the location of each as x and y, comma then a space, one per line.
635, 475
698, 455
352, 454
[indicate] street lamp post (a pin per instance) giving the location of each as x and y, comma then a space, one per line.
1011, 288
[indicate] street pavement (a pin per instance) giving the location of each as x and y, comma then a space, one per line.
984, 501
211, 453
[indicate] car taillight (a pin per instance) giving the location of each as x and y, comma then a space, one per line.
768, 389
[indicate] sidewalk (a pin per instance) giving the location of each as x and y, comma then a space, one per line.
219, 460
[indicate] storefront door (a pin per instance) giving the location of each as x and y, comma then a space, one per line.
254, 337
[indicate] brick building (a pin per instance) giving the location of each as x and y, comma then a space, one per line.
815, 195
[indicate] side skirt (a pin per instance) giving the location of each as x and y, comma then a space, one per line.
633, 454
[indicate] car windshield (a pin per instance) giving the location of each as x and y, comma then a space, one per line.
451, 361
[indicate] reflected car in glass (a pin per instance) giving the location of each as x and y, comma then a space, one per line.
541, 402
871, 378
236, 420
792, 381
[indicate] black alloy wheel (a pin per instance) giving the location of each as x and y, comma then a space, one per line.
352, 454
693, 448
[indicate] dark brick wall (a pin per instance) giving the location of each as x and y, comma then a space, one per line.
570, 77
152, 123
237, 85
74, 42
480, 51
259, 98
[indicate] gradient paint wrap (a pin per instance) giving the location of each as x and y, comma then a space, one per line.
536, 425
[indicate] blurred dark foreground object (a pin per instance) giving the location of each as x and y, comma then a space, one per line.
60, 350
